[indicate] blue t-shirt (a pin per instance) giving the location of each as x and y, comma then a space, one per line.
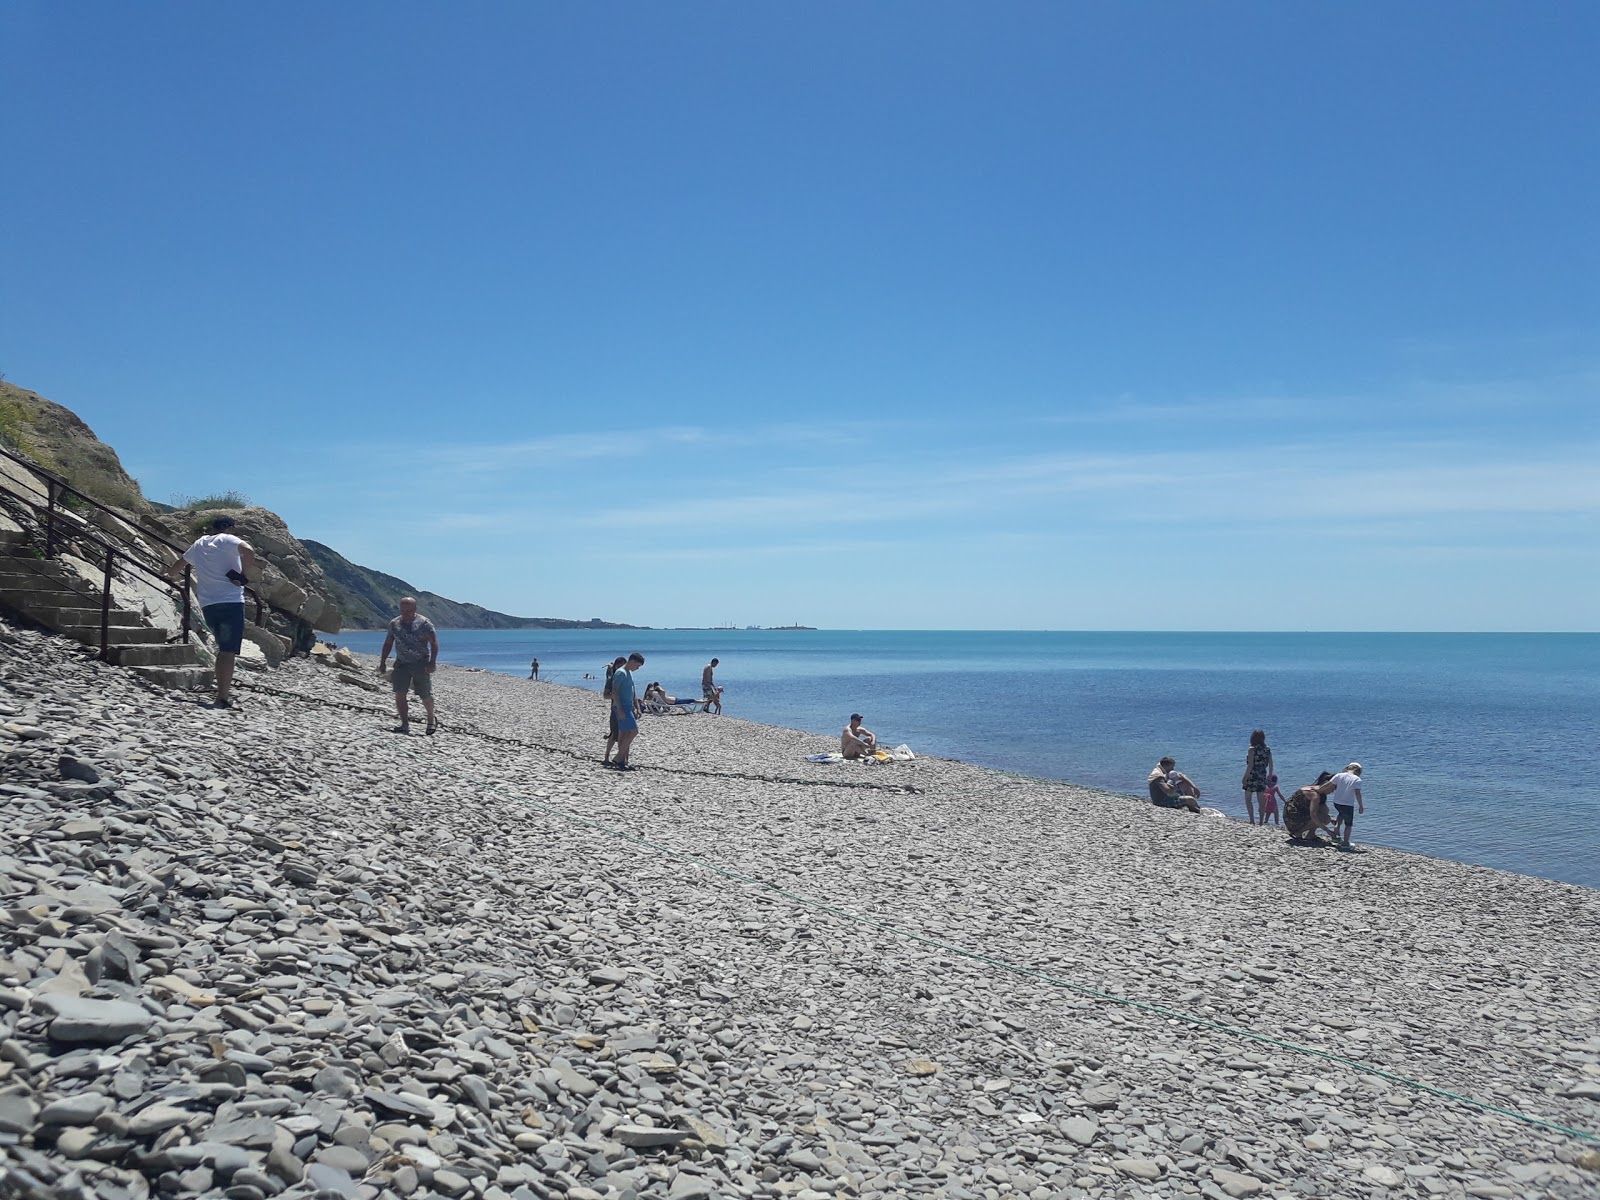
622, 689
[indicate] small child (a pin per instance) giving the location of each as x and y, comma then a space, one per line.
1269, 801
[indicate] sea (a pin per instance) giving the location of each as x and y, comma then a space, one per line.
1474, 747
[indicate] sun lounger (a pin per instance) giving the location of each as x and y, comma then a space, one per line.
678, 708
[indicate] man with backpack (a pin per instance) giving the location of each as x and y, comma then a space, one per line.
611, 711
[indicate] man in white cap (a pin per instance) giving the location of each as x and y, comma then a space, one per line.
1346, 802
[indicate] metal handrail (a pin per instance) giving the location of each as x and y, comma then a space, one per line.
55, 486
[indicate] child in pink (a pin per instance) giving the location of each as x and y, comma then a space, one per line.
1270, 801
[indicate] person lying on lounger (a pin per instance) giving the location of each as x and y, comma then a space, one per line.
655, 694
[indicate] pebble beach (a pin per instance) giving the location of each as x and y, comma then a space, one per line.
282, 950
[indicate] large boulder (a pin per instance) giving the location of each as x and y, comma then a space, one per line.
286, 575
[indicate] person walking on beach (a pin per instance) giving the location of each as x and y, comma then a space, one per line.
709, 690
222, 563
857, 741
1257, 767
624, 706
1346, 788
611, 712
1171, 789
534, 670
415, 643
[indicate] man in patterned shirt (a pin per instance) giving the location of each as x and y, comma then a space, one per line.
416, 651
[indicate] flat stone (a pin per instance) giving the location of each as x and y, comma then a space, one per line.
1236, 1184
156, 1118
690, 1187
331, 1179
640, 1136
1080, 1129
1383, 1176
81, 1109
1139, 1168
95, 1022
18, 1112
1102, 1095
71, 768
399, 1102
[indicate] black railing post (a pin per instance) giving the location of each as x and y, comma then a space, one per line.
50, 518
188, 576
105, 608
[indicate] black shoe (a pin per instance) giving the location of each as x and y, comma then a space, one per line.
403, 727
432, 727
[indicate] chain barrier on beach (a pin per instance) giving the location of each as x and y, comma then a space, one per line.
579, 756
913, 935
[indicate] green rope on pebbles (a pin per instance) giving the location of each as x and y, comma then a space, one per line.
1057, 981
950, 947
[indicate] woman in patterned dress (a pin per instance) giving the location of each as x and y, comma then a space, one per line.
1257, 769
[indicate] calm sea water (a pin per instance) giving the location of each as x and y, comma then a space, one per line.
1476, 747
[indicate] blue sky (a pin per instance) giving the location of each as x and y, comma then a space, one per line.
895, 315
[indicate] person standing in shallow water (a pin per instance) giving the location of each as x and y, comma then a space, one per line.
1257, 770
533, 670
415, 643
709, 690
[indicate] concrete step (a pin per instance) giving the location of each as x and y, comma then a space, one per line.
76, 591
117, 635
56, 617
187, 679
177, 654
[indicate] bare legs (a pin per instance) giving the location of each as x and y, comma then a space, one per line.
1250, 807
224, 673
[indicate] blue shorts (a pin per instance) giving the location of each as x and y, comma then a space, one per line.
626, 721
226, 622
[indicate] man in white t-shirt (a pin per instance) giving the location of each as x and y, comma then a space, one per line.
1346, 800
222, 564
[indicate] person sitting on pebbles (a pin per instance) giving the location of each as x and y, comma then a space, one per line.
857, 741
1170, 788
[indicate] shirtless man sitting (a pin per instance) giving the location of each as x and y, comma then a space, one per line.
857, 741
1170, 788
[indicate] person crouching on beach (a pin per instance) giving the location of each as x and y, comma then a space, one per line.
1346, 787
625, 705
857, 741
1307, 811
1271, 801
1171, 789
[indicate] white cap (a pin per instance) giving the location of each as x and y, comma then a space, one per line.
1356, 767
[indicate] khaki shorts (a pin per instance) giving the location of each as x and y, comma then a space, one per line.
413, 675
